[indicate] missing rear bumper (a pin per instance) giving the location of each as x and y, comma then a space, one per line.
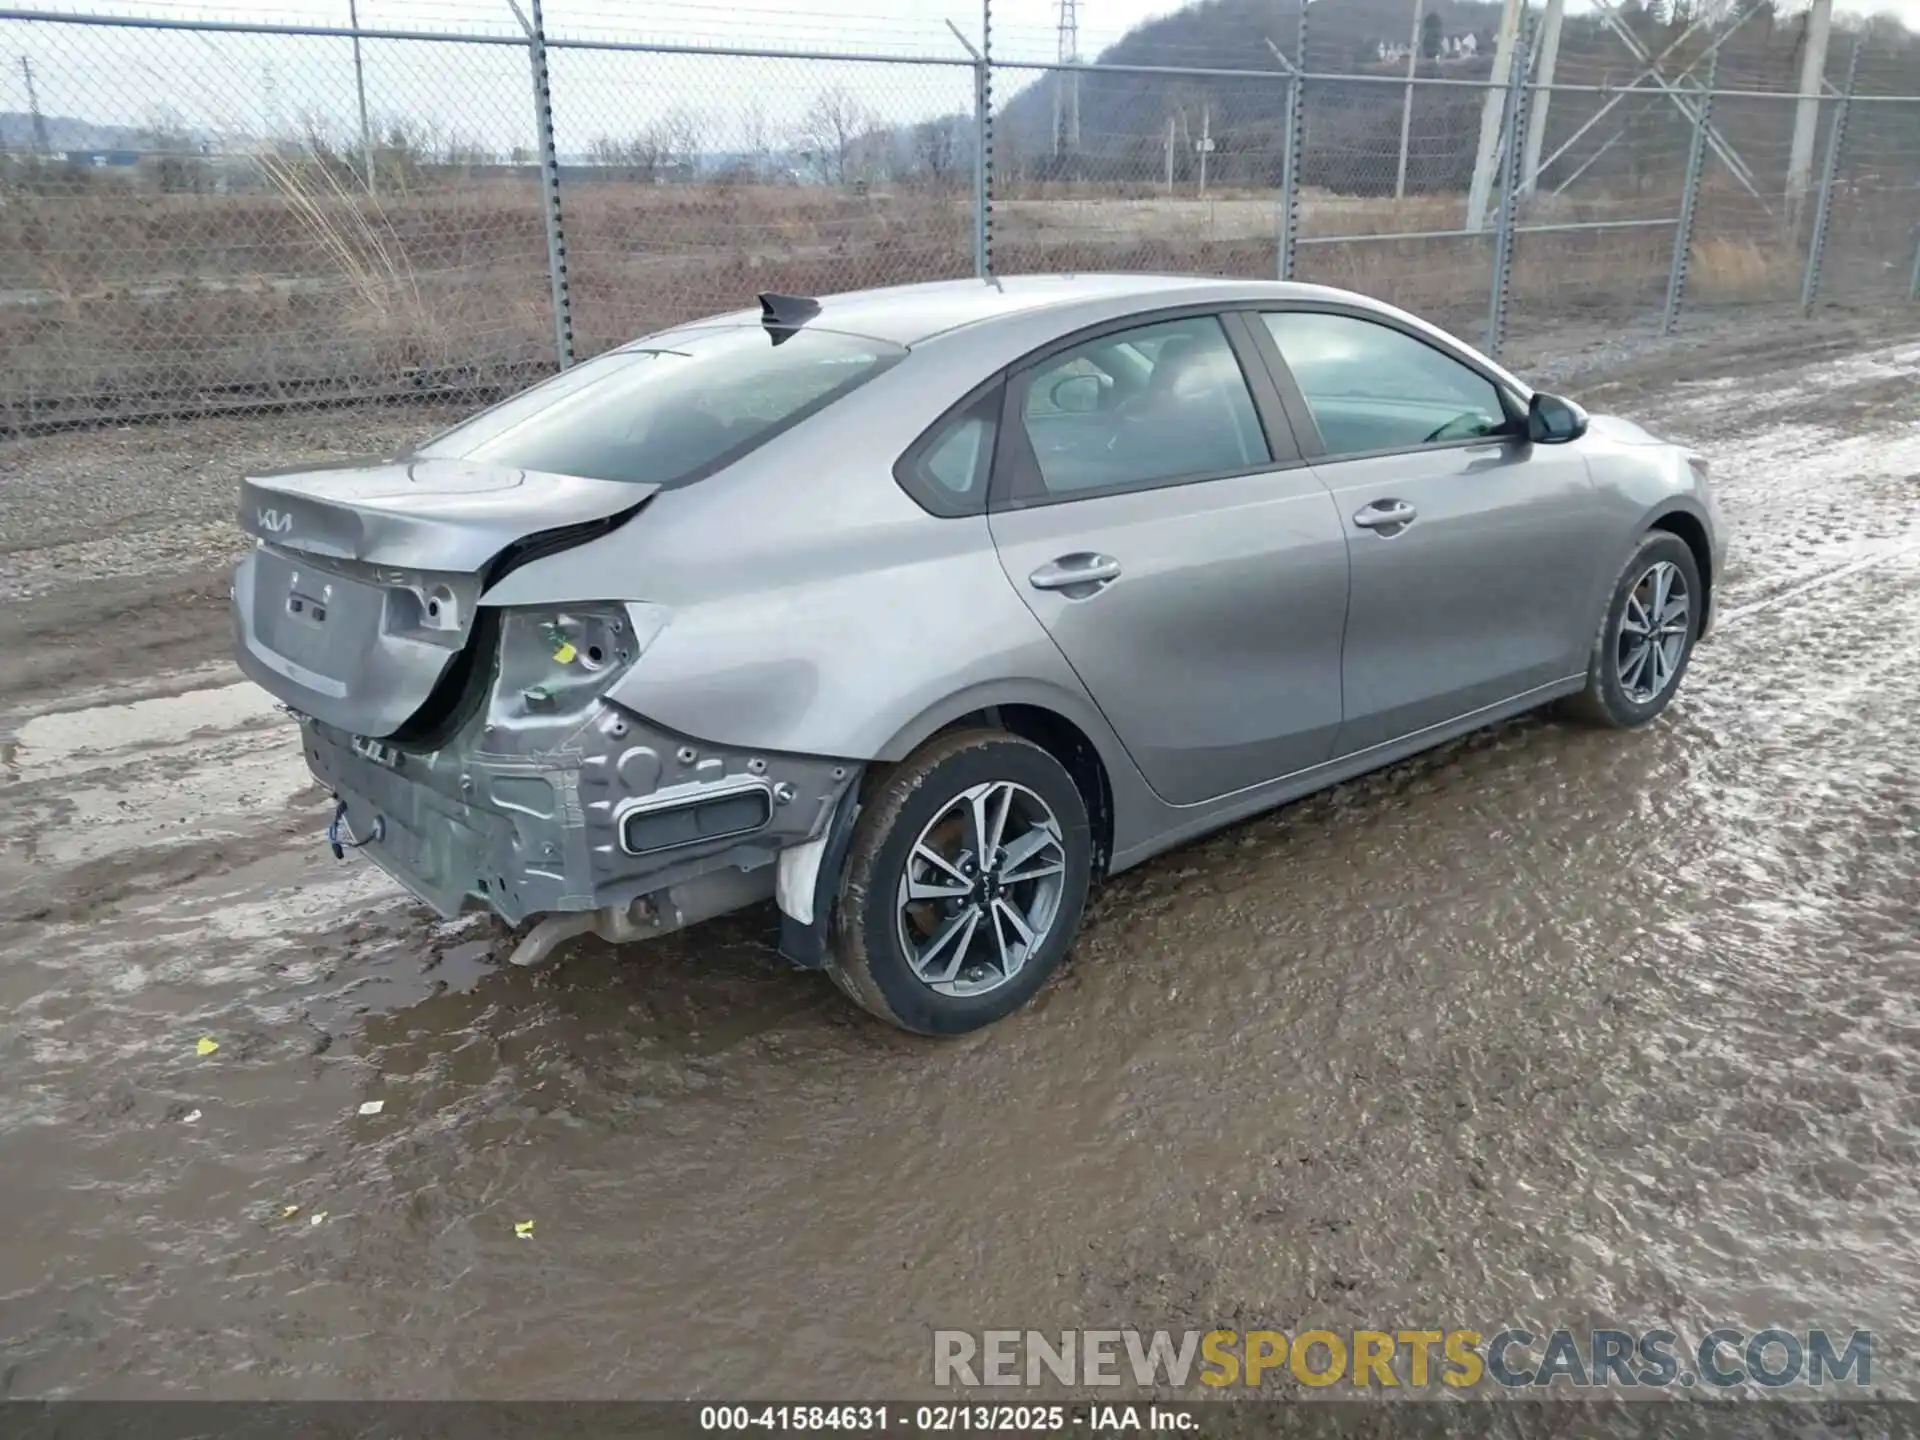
582, 813
650, 916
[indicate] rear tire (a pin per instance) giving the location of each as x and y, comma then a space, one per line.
1646, 636
925, 935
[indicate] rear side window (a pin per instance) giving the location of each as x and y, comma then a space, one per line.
946, 469
670, 413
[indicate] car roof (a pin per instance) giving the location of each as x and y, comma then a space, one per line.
909, 314
995, 320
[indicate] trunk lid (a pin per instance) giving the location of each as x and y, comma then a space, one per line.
365, 586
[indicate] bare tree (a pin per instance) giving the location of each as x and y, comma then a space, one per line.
935, 150
832, 125
638, 157
756, 139
167, 129
467, 150
680, 137
179, 170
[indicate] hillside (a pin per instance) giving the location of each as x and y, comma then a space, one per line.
64, 132
1124, 118
1131, 125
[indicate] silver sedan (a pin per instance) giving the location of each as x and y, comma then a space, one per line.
921, 610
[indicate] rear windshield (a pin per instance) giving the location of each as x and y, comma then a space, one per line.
670, 412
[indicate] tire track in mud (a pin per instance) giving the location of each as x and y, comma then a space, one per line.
1551, 1026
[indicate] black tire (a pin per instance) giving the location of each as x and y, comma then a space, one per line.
865, 955
1606, 701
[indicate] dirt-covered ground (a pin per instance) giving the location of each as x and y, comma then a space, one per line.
1553, 1027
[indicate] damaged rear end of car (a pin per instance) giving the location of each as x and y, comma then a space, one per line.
474, 751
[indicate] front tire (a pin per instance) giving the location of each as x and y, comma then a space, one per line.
964, 886
1646, 636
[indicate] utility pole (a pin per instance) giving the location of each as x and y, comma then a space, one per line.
1406, 105
270, 107
1549, 56
1806, 119
360, 86
1206, 143
1487, 154
40, 143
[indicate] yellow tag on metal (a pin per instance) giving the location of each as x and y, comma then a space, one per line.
565, 653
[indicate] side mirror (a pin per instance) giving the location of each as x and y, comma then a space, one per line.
1077, 394
1554, 421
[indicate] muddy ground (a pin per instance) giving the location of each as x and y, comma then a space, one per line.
1553, 1027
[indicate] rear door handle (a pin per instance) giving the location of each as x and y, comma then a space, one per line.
1385, 515
1071, 572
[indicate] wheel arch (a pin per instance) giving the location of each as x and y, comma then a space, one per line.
1073, 733
1691, 530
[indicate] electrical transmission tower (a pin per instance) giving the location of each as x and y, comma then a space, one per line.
1066, 81
40, 144
270, 118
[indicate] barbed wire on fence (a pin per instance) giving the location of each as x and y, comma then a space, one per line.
211, 214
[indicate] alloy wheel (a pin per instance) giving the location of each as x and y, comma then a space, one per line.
1653, 633
981, 888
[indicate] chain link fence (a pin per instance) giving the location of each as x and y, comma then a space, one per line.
206, 215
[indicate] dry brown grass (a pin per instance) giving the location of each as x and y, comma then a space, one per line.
109, 295
354, 236
1727, 268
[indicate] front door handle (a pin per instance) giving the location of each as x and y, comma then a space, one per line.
1385, 515
1082, 572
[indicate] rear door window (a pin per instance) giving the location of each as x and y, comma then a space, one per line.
1159, 404
671, 411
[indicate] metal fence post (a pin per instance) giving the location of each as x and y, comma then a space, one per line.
1913, 280
1509, 195
1294, 138
550, 190
360, 88
1829, 174
982, 212
1689, 203
983, 147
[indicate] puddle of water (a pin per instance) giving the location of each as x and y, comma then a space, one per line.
1549, 1027
208, 803
1753, 398
67, 742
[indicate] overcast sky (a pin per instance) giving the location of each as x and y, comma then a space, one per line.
249, 84
1023, 29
